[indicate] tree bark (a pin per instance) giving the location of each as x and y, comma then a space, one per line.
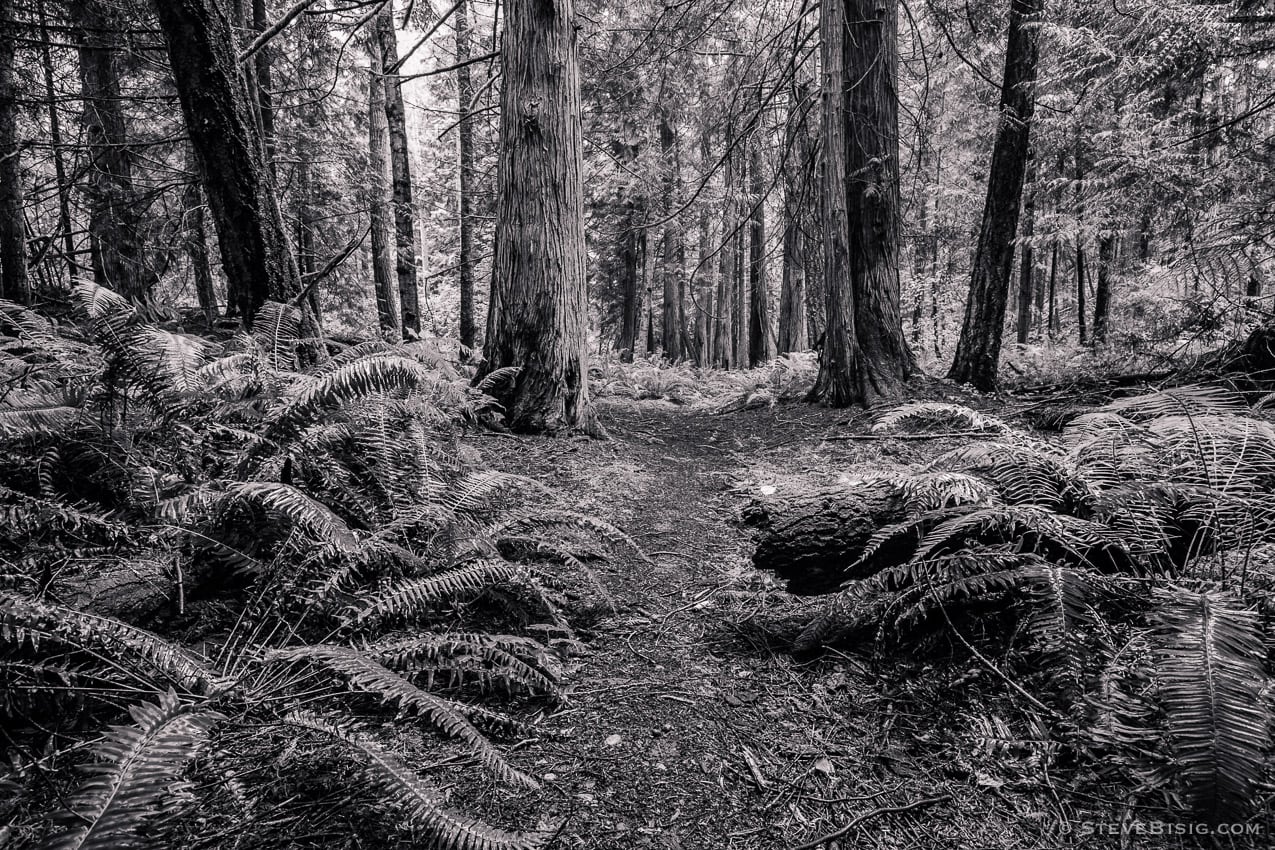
255, 253
723, 323
115, 239
865, 357
384, 269
674, 245
809, 538
1107, 243
404, 212
1027, 275
465, 132
537, 317
197, 246
978, 351
59, 160
14, 284
739, 285
759, 298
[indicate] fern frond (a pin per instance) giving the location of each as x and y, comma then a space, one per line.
353, 381
412, 598
489, 657
1209, 652
141, 775
122, 645
496, 377
419, 801
924, 416
25, 413
1193, 400
365, 676
276, 329
304, 512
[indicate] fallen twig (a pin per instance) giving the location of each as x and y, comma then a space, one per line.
884, 810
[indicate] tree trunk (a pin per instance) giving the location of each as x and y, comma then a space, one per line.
674, 249
759, 298
197, 246
537, 317
263, 86
13, 246
1027, 276
739, 286
723, 323
465, 131
115, 240
255, 253
384, 270
630, 277
792, 293
404, 212
59, 160
978, 351
865, 357
1102, 295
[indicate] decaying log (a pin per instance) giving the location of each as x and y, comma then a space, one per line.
810, 537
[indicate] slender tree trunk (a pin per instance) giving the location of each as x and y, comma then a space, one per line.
384, 272
723, 324
630, 240
465, 131
671, 319
59, 160
759, 298
263, 85
739, 295
792, 293
1026, 277
115, 239
865, 357
978, 351
255, 253
14, 284
537, 318
197, 250
704, 296
1107, 243
404, 212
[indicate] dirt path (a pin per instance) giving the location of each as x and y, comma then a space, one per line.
684, 729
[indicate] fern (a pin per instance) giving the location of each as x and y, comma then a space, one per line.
141, 776
422, 804
367, 676
920, 417
413, 598
1208, 650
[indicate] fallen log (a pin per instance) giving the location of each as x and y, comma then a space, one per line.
810, 537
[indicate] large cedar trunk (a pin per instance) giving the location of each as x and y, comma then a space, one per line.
13, 249
465, 131
759, 298
864, 357
404, 212
384, 272
978, 351
536, 320
115, 240
255, 254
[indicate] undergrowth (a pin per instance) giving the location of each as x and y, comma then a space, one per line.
263, 564
1119, 586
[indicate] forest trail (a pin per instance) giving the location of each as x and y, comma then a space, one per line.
684, 729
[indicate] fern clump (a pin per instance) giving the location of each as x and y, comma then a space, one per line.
1122, 570
328, 554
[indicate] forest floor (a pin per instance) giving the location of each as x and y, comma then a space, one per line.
688, 725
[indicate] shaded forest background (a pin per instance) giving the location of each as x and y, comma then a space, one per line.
1145, 220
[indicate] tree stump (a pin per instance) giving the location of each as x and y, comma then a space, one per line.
810, 538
